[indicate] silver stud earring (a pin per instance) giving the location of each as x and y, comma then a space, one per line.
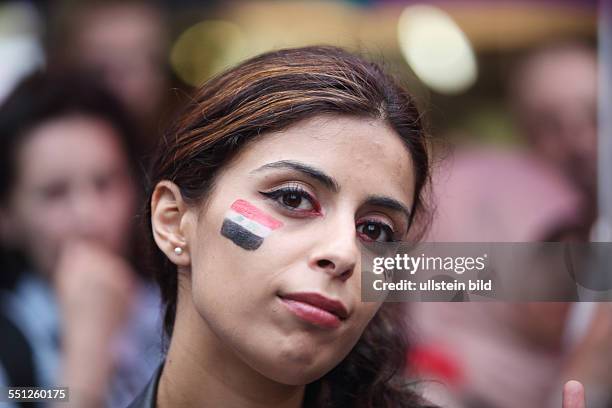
178, 250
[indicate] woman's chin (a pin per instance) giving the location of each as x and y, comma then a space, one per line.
297, 377
298, 370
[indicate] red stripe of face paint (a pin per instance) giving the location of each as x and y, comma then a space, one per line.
248, 210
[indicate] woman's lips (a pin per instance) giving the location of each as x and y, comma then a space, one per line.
316, 309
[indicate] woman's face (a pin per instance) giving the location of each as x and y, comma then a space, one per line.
291, 308
72, 182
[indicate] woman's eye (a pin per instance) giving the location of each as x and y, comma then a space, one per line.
55, 192
293, 199
375, 231
296, 200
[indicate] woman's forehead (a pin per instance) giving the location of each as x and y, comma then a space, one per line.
93, 144
355, 151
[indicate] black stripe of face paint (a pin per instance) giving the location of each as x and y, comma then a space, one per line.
240, 236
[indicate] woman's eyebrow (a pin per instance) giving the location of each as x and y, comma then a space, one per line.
388, 202
310, 171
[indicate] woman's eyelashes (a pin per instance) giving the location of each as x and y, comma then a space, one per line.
295, 200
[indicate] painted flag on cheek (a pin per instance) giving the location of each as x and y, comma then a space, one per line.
247, 226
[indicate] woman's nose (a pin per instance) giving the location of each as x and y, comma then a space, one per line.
88, 214
336, 251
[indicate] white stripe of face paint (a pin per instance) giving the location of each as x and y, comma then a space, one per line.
252, 226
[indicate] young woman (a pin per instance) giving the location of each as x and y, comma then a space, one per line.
264, 191
73, 311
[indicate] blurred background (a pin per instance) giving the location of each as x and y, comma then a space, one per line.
457, 56
509, 90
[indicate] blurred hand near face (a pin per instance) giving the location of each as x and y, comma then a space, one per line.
94, 288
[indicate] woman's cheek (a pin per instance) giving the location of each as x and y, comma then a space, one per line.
367, 311
248, 226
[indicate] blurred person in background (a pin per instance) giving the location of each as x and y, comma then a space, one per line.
494, 354
503, 355
73, 310
125, 44
553, 94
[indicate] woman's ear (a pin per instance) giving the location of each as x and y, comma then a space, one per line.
171, 222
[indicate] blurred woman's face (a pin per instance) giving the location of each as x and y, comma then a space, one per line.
275, 250
72, 182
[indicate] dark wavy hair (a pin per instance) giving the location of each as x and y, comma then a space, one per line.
269, 93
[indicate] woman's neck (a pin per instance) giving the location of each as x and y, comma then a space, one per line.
201, 371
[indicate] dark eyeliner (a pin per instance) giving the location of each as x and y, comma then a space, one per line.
292, 189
